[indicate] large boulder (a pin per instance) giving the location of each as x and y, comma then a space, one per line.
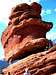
25, 31
24, 37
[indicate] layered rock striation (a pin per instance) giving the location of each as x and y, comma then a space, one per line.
26, 36
43, 63
25, 31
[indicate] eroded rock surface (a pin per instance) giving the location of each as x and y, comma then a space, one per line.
24, 37
25, 31
43, 63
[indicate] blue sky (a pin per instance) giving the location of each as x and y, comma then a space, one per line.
48, 14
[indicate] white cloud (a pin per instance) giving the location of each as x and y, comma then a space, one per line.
5, 7
30, 1
55, 9
42, 12
46, 12
38, 1
51, 36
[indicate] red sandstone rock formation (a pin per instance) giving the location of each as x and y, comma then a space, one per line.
25, 31
32, 10
15, 38
26, 36
43, 63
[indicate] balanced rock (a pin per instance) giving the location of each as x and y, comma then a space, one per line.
25, 32
24, 37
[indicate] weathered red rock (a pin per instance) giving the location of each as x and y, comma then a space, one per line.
22, 7
24, 37
37, 7
26, 15
25, 11
31, 13
27, 27
43, 63
53, 74
26, 47
15, 38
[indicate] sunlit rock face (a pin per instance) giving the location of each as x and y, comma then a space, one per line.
24, 37
25, 31
43, 63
